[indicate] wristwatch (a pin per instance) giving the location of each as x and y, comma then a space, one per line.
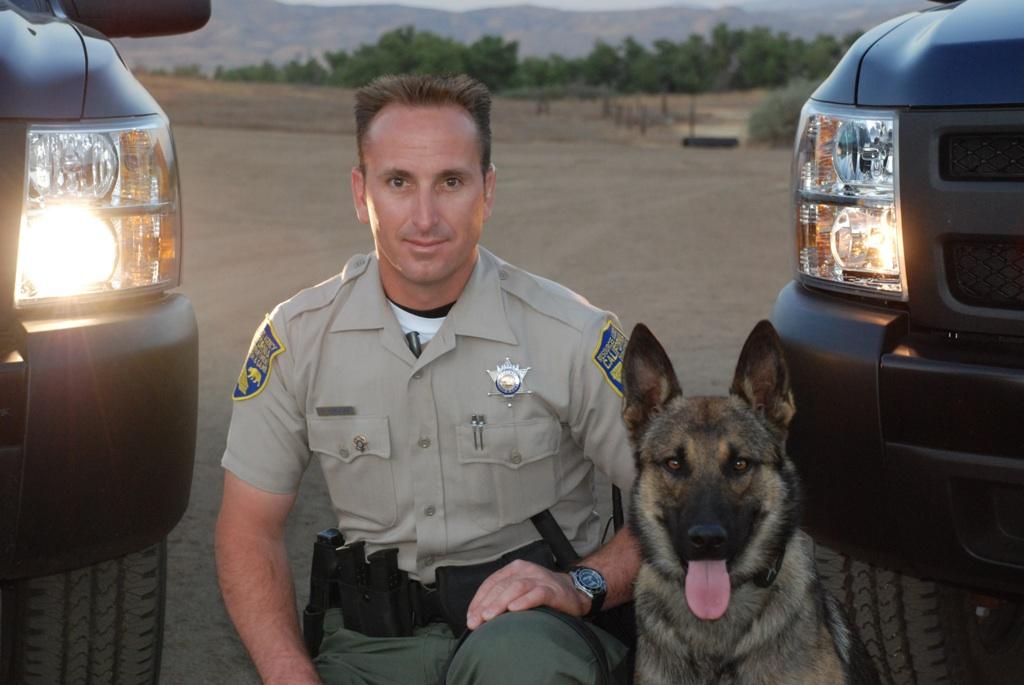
592, 584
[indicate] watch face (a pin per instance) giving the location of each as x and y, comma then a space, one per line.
590, 579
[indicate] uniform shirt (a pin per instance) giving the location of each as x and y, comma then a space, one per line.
330, 375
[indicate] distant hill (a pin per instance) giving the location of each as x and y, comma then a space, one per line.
250, 31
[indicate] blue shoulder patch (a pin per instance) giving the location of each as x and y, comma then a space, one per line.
256, 370
608, 355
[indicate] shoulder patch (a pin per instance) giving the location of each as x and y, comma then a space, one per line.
256, 371
608, 355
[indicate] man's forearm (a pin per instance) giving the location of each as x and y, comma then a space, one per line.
618, 561
256, 582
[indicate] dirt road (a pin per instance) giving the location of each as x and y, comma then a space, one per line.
694, 243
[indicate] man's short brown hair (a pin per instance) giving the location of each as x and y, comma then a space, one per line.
416, 90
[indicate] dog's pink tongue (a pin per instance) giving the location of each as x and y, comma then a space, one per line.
707, 589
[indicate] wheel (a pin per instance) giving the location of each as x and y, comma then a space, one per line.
919, 632
99, 624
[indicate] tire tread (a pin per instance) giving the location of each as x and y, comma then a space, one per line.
99, 624
897, 617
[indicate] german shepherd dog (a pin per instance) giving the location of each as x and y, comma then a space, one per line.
727, 591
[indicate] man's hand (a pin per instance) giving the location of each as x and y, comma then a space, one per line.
523, 585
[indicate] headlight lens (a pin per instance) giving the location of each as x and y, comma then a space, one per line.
848, 233
101, 212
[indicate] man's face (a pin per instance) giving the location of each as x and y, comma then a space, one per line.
426, 200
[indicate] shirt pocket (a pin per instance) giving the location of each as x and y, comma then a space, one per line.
508, 472
355, 454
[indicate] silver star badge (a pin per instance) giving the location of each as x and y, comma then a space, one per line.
508, 380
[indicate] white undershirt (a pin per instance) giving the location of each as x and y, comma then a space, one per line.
409, 322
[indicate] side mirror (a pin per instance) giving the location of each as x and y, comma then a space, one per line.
137, 19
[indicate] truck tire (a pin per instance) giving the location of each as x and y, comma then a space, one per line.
99, 624
919, 632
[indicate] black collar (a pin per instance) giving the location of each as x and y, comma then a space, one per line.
766, 577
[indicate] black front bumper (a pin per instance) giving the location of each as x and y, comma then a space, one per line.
101, 463
910, 446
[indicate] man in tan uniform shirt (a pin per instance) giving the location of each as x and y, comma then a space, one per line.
446, 456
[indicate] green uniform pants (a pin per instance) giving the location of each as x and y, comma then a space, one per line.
517, 648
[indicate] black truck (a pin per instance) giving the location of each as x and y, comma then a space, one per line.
98, 360
904, 329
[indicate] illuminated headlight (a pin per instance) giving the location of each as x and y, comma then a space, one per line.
848, 232
101, 214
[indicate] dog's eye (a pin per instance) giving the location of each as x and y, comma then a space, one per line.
673, 463
740, 465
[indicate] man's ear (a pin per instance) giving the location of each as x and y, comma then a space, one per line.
762, 377
649, 381
490, 179
359, 195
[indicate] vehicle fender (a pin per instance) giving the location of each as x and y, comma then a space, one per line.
42, 67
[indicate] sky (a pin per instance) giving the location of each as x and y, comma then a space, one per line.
461, 5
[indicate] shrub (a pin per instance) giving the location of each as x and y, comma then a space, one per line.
774, 121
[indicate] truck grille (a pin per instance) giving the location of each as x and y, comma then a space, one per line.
990, 274
984, 157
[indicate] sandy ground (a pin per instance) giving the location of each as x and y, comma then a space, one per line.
695, 243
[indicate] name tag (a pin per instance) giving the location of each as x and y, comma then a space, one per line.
335, 411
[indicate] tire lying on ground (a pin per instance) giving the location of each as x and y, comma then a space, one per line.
99, 624
919, 632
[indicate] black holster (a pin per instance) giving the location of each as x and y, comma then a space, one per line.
456, 585
373, 594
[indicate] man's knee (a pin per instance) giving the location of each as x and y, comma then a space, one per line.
530, 647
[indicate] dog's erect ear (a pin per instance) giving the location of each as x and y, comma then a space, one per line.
649, 381
762, 377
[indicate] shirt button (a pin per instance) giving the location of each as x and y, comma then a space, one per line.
502, 275
428, 561
343, 453
429, 511
424, 443
516, 458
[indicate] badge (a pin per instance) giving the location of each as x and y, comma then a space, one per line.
256, 370
508, 380
608, 355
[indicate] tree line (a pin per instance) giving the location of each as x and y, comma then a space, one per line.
727, 59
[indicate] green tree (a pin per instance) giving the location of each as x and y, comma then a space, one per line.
493, 61
722, 59
603, 66
819, 57
535, 72
682, 67
762, 59
639, 73
310, 71
266, 72
433, 54
402, 51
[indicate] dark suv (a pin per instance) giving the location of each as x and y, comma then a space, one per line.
904, 328
98, 362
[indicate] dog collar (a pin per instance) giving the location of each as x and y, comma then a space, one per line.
767, 577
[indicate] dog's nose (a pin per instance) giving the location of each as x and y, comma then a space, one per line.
707, 538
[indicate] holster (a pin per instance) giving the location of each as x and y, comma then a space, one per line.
376, 612
374, 596
456, 585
